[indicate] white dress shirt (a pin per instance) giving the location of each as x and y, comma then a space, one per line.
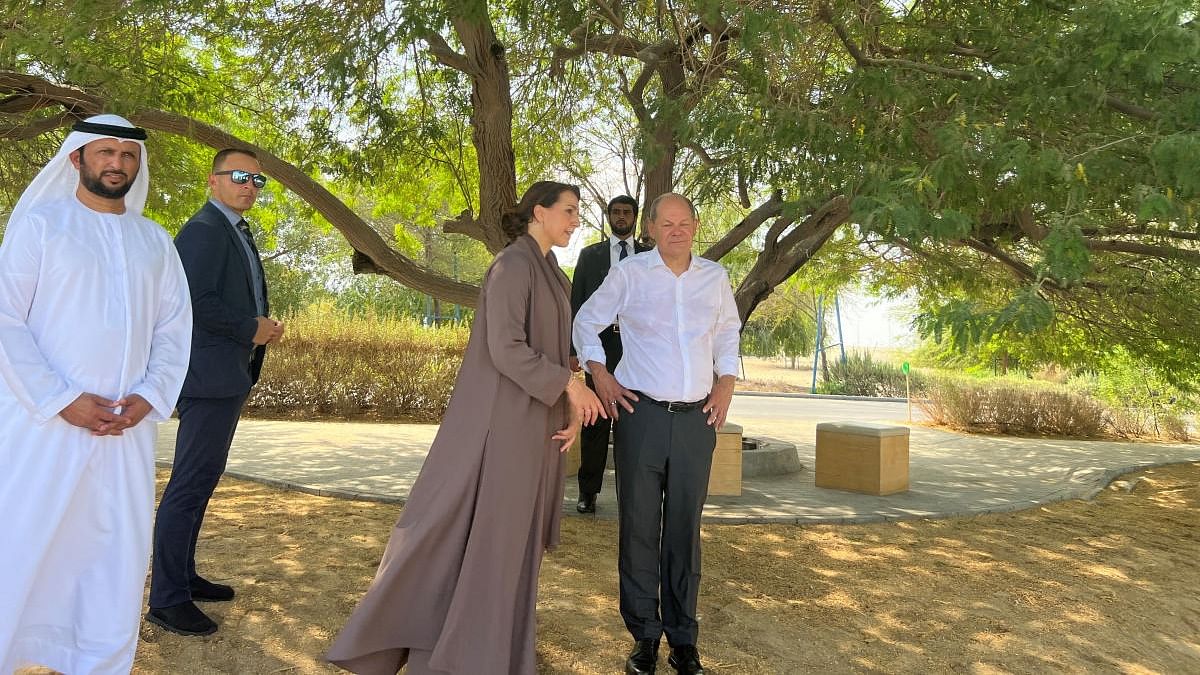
614, 248
676, 331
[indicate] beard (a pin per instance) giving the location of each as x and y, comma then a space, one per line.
622, 231
94, 183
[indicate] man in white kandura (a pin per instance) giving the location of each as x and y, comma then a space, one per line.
95, 332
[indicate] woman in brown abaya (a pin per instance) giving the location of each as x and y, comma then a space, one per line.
457, 586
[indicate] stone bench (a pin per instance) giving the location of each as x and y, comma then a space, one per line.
862, 457
726, 476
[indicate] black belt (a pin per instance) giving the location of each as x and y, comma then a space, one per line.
672, 406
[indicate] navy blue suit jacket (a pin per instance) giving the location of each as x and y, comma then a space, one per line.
225, 361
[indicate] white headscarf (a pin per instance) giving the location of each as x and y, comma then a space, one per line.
60, 178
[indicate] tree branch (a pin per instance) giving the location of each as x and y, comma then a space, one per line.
865, 61
705, 158
1145, 231
360, 235
24, 132
1023, 271
1129, 108
1143, 249
447, 56
825, 13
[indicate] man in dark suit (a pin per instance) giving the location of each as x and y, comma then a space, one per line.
230, 332
593, 266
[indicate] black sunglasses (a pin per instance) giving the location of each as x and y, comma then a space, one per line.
240, 177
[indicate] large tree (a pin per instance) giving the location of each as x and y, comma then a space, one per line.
1027, 167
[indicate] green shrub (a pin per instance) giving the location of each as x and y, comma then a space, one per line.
861, 375
330, 364
1143, 402
1014, 409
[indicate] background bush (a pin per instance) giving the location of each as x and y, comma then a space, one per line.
1011, 408
1143, 401
861, 375
334, 365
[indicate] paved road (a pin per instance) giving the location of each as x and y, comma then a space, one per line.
950, 474
747, 408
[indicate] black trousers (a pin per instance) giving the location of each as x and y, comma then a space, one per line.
593, 451
206, 427
593, 440
663, 461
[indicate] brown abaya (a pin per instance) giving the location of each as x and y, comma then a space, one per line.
457, 586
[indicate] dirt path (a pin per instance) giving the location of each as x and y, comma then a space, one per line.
1107, 585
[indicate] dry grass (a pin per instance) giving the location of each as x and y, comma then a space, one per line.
1106, 585
764, 374
331, 366
1011, 409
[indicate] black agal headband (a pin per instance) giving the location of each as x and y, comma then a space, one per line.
132, 133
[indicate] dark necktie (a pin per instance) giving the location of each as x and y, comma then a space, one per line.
624, 250
245, 228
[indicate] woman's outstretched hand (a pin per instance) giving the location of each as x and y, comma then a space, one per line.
583, 402
568, 435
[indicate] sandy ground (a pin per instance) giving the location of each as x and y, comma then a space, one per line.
1108, 585
760, 374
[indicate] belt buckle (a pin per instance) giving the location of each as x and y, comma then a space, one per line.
671, 406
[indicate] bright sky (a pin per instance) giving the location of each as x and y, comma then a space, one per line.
876, 322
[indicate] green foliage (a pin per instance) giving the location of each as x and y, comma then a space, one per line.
1143, 401
861, 375
1174, 161
784, 325
1030, 171
1066, 259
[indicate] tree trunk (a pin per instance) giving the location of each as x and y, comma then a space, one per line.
492, 115
783, 254
661, 139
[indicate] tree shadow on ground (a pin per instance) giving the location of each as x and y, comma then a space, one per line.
1107, 584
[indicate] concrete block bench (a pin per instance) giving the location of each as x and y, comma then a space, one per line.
862, 457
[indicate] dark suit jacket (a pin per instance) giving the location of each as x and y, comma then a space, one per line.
590, 271
225, 361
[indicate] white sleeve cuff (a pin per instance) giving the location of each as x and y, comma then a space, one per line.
591, 354
50, 409
160, 410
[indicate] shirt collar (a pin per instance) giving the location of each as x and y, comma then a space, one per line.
614, 241
232, 215
655, 259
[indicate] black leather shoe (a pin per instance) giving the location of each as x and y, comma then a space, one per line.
643, 659
685, 660
184, 619
206, 591
587, 503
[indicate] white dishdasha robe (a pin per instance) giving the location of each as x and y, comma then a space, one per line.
89, 302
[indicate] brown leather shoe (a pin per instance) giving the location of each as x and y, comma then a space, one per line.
643, 659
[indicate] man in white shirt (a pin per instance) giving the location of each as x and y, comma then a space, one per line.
680, 328
594, 263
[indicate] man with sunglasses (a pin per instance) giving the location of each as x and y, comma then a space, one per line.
230, 332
